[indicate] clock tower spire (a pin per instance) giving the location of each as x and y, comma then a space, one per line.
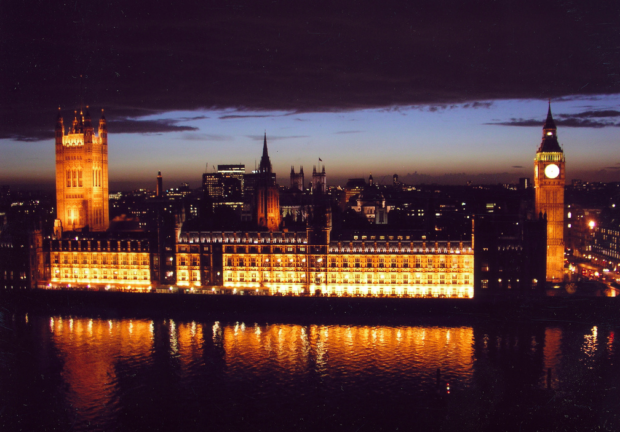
549, 181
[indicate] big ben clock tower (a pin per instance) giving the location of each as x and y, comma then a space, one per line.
549, 180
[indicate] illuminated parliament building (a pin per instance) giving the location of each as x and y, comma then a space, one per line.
267, 260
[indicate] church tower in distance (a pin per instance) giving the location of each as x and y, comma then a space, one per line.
266, 195
549, 180
82, 174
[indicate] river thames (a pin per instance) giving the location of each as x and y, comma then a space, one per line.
100, 373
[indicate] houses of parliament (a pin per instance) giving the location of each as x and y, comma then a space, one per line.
271, 259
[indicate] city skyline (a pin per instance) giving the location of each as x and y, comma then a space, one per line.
433, 92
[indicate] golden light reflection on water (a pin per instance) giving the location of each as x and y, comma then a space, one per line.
356, 349
103, 371
90, 349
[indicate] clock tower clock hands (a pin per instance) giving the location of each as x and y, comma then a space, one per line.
552, 171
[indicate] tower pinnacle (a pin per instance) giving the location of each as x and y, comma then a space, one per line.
549, 139
265, 163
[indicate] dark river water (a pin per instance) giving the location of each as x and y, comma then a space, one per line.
62, 372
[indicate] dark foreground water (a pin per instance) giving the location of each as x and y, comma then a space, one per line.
63, 372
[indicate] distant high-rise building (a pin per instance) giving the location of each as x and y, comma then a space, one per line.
160, 186
82, 174
266, 194
232, 181
227, 184
212, 186
524, 183
549, 180
297, 179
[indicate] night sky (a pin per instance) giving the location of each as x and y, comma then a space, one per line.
444, 91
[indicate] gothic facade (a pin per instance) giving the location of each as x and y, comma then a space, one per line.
549, 181
82, 174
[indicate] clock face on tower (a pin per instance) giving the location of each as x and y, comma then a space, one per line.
552, 171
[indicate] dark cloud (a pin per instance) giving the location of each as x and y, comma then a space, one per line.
141, 57
147, 126
613, 168
517, 166
478, 104
566, 122
33, 136
240, 116
593, 114
200, 117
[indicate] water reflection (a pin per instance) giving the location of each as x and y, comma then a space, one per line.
169, 374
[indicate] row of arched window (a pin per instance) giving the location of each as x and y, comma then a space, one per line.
74, 177
97, 177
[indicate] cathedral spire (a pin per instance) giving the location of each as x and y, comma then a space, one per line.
265, 153
265, 163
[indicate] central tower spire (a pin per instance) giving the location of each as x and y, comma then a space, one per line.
265, 163
266, 194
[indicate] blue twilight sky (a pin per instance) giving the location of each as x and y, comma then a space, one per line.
430, 140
